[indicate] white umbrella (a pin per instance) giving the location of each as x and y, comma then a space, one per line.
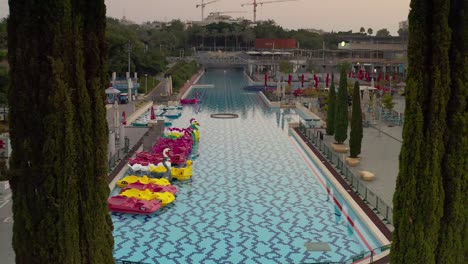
278, 89
116, 116
130, 87
374, 106
167, 87
170, 85
283, 88
122, 136
365, 99
111, 146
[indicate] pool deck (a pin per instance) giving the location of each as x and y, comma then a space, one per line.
379, 154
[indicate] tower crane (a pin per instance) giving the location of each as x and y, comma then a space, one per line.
255, 4
202, 5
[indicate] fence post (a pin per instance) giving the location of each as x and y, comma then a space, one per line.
386, 214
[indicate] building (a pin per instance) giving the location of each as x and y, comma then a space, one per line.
275, 44
318, 31
216, 17
374, 54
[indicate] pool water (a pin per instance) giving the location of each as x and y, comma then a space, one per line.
255, 196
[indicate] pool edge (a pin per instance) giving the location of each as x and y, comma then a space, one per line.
378, 228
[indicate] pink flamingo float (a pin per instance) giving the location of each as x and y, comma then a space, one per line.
195, 100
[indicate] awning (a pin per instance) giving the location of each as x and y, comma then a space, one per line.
252, 52
112, 90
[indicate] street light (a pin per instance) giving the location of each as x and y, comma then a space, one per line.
146, 83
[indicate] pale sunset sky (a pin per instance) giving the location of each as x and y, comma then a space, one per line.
337, 15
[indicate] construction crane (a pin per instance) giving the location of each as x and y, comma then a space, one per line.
255, 4
202, 5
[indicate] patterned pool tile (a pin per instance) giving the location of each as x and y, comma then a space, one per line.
252, 199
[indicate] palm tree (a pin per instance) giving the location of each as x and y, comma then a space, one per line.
226, 32
203, 34
214, 34
248, 36
236, 32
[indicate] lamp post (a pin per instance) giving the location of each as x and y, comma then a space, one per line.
129, 49
380, 112
390, 79
146, 83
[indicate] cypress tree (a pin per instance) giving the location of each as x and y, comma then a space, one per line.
331, 108
355, 137
59, 132
341, 112
43, 163
96, 240
419, 195
453, 238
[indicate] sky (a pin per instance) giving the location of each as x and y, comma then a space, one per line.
336, 15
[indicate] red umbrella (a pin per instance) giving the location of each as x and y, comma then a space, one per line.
153, 116
124, 118
266, 79
289, 79
302, 80
316, 81
327, 80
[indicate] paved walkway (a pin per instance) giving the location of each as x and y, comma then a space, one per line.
380, 152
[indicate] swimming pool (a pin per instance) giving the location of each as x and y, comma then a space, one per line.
255, 197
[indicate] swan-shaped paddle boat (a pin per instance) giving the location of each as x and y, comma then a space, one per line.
145, 180
182, 174
132, 205
194, 127
165, 197
147, 195
152, 187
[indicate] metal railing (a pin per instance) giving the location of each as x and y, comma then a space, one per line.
119, 155
365, 255
354, 181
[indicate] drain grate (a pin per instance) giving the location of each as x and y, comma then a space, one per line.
317, 246
224, 115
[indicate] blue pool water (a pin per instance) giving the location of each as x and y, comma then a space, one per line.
255, 196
